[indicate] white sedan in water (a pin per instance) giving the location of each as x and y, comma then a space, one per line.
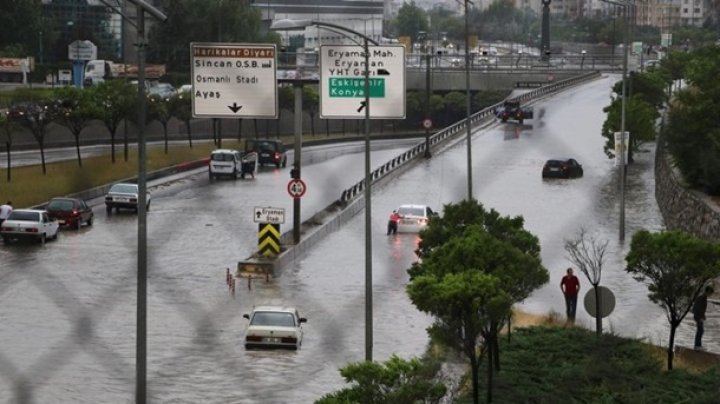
413, 218
274, 327
29, 224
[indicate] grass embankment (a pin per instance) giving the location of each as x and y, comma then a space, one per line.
28, 186
550, 363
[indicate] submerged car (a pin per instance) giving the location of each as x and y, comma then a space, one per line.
70, 212
562, 168
274, 327
124, 196
33, 224
413, 218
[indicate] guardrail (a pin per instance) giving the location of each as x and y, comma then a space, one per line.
452, 131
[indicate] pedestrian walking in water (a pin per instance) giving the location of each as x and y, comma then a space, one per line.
393, 222
570, 286
699, 309
5, 211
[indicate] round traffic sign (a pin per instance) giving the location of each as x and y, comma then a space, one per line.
296, 188
427, 123
607, 302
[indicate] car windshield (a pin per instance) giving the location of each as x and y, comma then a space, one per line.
282, 319
222, 157
24, 216
61, 204
262, 146
411, 211
124, 188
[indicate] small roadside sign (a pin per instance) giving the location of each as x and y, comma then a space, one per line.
269, 215
296, 188
427, 123
233, 80
342, 81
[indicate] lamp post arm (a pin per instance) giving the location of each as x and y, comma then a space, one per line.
324, 24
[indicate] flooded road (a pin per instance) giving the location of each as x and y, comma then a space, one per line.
68, 308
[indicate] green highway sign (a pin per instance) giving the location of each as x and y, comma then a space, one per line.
342, 81
354, 87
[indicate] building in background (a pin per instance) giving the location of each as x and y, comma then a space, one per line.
363, 16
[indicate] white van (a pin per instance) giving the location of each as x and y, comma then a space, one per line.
225, 162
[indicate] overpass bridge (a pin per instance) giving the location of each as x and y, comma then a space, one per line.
502, 72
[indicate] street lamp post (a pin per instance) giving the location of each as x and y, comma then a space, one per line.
289, 25
621, 170
468, 109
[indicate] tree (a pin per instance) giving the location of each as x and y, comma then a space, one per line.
455, 107
7, 126
75, 112
396, 381
692, 133
202, 21
182, 109
470, 283
496, 245
587, 253
640, 120
676, 267
114, 101
160, 109
20, 22
410, 20
311, 102
35, 115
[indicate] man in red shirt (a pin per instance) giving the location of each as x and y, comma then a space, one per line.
393, 222
570, 286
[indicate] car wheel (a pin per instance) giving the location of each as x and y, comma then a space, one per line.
284, 163
6, 239
76, 225
43, 238
147, 207
90, 221
54, 237
108, 209
235, 174
503, 119
278, 164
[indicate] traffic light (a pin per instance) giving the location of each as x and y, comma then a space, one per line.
295, 173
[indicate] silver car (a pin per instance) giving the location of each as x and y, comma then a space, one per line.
274, 327
124, 196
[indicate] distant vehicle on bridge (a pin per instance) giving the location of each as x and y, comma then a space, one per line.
513, 110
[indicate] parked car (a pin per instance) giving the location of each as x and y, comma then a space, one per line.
274, 327
413, 218
125, 196
29, 224
185, 88
71, 212
269, 151
562, 168
231, 163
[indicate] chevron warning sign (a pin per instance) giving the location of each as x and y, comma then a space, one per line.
269, 239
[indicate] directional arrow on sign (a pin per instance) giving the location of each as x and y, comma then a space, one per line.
235, 108
362, 105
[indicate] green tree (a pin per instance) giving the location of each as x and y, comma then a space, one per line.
640, 120
161, 109
675, 266
20, 22
410, 20
486, 241
75, 111
7, 126
114, 101
693, 129
311, 103
202, 21
650, 86
455, 108
36, 116
182, 110
396, 381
